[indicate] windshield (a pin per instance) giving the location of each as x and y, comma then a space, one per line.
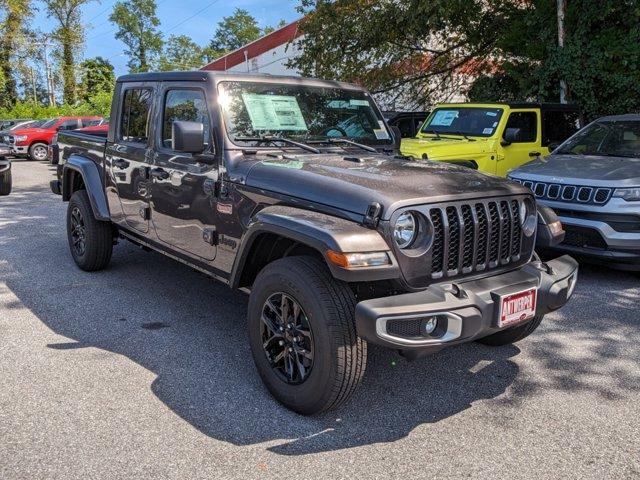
620, 139
31, 124
299, 112
49, 123
473, 121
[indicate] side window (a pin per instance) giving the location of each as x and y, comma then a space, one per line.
134, 123
405, 124
557, 126
526, 123
184, 105
91, 122
71, 124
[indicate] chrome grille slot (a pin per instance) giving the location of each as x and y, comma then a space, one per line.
437, 252
602, 195
584, 194
553, 191
454, 238
568, 192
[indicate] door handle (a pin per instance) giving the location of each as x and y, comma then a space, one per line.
159, 173
534, 154
120, 163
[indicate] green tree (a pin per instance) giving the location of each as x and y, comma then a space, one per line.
600, 61
97, 76
233, 32
181, 53
138, 28
409, 49
70, 36
13, 15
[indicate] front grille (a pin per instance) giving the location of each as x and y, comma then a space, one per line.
568, 193
583, 237
475, 236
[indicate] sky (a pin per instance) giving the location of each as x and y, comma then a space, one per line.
175, 19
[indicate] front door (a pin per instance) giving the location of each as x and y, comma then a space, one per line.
128, 160
183, 201
527, 145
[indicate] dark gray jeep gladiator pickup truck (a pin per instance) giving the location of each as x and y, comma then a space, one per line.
292, 189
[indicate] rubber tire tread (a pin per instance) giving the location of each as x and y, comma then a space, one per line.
338, 300
5, 183
99, 236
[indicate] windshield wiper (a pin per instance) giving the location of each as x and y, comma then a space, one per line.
275, 139
347, 141
433, 132
462, 134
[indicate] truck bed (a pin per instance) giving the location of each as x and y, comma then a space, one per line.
89, 145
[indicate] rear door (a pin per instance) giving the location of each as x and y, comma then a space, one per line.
527, 147
128, 158
183, 201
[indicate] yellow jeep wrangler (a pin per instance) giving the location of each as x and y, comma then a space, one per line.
492, 137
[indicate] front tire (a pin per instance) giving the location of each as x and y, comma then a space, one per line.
5, 183
38, 152
90, 240
326, 359
513, 334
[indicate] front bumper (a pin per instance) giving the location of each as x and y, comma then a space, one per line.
19, 149
471, 308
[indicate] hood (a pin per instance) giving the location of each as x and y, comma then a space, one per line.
445, 147
353, 182
583, 169
30, 131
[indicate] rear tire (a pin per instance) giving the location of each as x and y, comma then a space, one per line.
38, 152
327, 306
5, 183
90, 240
513, 334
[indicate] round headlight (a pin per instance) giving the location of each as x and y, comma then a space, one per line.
405, 230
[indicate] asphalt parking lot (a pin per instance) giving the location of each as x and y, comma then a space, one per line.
144, 371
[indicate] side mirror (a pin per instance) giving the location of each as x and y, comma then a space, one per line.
187, 137
397, 137
511, 135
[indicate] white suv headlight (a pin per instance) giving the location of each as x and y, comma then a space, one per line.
629, 194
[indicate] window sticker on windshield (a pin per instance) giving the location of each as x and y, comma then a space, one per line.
381, 134
491, 114
495, 124
487, 131
444, 118
274, 112
359, 103
339, 104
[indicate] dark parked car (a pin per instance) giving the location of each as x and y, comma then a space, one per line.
592, 181
408, 123
292, 189
5, 171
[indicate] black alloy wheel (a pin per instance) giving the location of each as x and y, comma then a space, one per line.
287, 338
78, 232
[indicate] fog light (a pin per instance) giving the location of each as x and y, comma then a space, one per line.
430, 325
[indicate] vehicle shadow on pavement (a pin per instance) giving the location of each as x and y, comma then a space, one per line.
191, 333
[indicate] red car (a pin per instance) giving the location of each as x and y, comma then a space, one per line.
33, 142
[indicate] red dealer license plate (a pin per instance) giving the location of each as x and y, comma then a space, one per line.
517, 307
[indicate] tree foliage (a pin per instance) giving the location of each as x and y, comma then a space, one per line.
97, 77
234, 32
409, 50
181, 53
138, 29
70, 36
14, 14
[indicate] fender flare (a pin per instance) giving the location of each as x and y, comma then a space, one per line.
321, 232
90, 174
